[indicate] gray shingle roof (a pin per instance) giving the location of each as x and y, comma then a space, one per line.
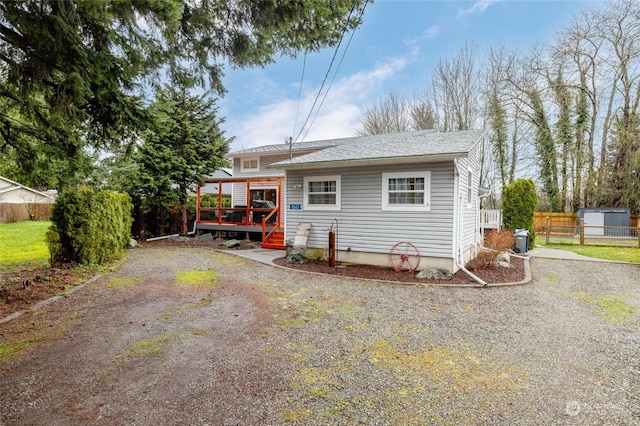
284, 147
422, 143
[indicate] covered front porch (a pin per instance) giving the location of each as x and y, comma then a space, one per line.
258, 213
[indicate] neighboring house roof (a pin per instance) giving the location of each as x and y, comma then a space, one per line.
389, 148
7, 185
220, 173
284, 148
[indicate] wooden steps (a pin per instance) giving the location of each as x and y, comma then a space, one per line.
275, 241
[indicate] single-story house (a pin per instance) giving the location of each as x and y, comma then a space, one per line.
19, 202
376, 191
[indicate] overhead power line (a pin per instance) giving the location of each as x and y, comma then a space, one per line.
324, 80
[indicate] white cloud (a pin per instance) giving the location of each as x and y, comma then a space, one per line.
478, 7
339, 116
428, 34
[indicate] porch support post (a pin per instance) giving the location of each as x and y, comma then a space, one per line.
220, 204
280, 212
246, 217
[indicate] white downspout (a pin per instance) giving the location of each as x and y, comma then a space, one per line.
457, 240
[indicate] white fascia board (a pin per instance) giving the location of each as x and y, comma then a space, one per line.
367, 162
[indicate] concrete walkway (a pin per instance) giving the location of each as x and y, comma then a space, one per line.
551, 253
267, 255
261, 255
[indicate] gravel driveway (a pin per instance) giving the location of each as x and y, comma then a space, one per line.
259, 345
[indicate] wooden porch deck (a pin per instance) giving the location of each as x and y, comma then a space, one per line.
261, 218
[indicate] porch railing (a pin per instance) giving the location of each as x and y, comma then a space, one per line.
266, 236
490, 219
235, 215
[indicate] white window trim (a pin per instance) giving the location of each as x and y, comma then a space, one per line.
469, 194
407, 207
308, 179
243, 169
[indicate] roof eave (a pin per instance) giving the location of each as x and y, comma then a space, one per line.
433, 158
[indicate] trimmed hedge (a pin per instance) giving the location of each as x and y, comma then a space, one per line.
519, 201
89, 226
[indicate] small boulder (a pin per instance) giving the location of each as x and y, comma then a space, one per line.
434, 274
296, 258
132, 243
179, 239
205, 237
230, 244
503, 260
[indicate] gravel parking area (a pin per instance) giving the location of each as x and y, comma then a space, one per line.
179, 335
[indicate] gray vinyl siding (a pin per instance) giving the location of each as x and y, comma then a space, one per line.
239, 196
264, 162
364, 226
469, 223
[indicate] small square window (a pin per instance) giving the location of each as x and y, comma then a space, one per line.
250, 164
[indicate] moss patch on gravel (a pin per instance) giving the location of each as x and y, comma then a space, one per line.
197, 278
441, 384
389, 365
121, 282
613, 308
7, 350
153, 346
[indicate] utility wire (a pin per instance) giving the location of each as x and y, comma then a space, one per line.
334, 75
304, 66
324, 80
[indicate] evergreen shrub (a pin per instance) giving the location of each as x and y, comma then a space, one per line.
519, 201
89, 226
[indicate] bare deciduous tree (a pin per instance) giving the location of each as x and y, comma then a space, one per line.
389, 114
456, 90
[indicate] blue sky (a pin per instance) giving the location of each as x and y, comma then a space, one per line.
396, 48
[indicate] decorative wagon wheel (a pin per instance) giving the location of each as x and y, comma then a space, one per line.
404, 254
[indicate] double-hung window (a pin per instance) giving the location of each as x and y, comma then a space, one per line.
322, 193
407, 191
250, 164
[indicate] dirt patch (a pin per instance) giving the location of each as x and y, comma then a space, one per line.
491, 275
23, 289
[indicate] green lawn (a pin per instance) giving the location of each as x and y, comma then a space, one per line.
23, 244
622, 254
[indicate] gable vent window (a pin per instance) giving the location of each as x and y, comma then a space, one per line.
250, 164
409, 191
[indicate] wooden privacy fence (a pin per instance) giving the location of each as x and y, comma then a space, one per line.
16, 212
567, 232
566, 219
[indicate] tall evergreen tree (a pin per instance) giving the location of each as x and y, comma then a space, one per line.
498, 125
184, 145
74, 69
546, 150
